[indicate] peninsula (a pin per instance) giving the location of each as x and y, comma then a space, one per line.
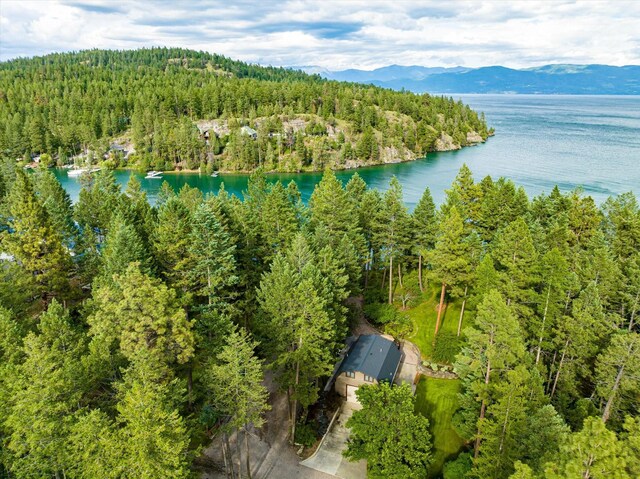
177, 109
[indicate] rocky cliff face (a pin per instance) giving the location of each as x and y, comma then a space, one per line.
446, 143
474, 137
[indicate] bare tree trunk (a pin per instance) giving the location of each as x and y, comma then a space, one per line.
544, 319
246, 447
239, 453
553, 363
483, 406
390, 279
189, 386
295, 402
420, 272
616, 384
555, 381
226, 461
209, 284
400, 275
633, 310
229, 455
440, 308
464, 302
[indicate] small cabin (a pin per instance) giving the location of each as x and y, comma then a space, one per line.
247, 130
370, 360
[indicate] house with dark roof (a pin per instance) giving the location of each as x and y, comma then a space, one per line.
370, 360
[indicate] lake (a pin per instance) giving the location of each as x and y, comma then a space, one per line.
591, 142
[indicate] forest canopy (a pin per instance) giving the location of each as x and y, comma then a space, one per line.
132, 335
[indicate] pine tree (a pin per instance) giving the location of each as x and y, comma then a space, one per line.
211, 264
616, 373
464, 194
592, 453
392, 230
122, 247
494, 346
450, 257
138, 315
279, 220
171, 241
33, 241
234, 386
424, 229
46, 392
516, 263
300, 332
502, 429
57, 203
152, 436
387, 432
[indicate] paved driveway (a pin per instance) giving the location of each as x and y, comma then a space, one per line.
409, 366
328, 457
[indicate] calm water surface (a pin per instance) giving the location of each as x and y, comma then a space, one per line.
541, 140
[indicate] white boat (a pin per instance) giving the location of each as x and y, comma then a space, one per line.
153, 175
214, 174
80, 171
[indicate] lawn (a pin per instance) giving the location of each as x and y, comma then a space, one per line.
437, 399
424, 318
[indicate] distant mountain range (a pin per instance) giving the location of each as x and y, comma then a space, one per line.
548, 79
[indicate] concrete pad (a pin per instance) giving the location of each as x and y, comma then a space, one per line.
328, 457
408, 369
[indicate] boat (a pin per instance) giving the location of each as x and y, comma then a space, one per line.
214, 174
80, 171
153, 175
77, 172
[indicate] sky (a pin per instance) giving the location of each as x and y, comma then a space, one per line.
336, 35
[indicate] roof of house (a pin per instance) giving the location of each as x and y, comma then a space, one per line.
374, 356
248, 130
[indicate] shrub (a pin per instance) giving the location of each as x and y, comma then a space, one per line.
380, 313
305, 434
446, 347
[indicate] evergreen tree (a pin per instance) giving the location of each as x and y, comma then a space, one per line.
33, 242
593, 453
299, 331
211, 264
387, 432
171, 241
234, 383
494, 346
392, 230
138, 315
424, 229
516, 263
616, 370
46, 392
122, 247
450, 257
57, 204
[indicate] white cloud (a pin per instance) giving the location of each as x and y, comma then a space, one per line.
336, 34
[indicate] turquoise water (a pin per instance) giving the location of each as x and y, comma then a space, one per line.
541, 140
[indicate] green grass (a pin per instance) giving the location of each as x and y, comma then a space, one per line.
437, 399
424, 318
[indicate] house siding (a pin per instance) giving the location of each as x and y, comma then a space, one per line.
342, 381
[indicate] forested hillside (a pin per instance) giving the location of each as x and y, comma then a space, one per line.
132, 335
172, 108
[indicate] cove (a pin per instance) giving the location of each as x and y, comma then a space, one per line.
592, 142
